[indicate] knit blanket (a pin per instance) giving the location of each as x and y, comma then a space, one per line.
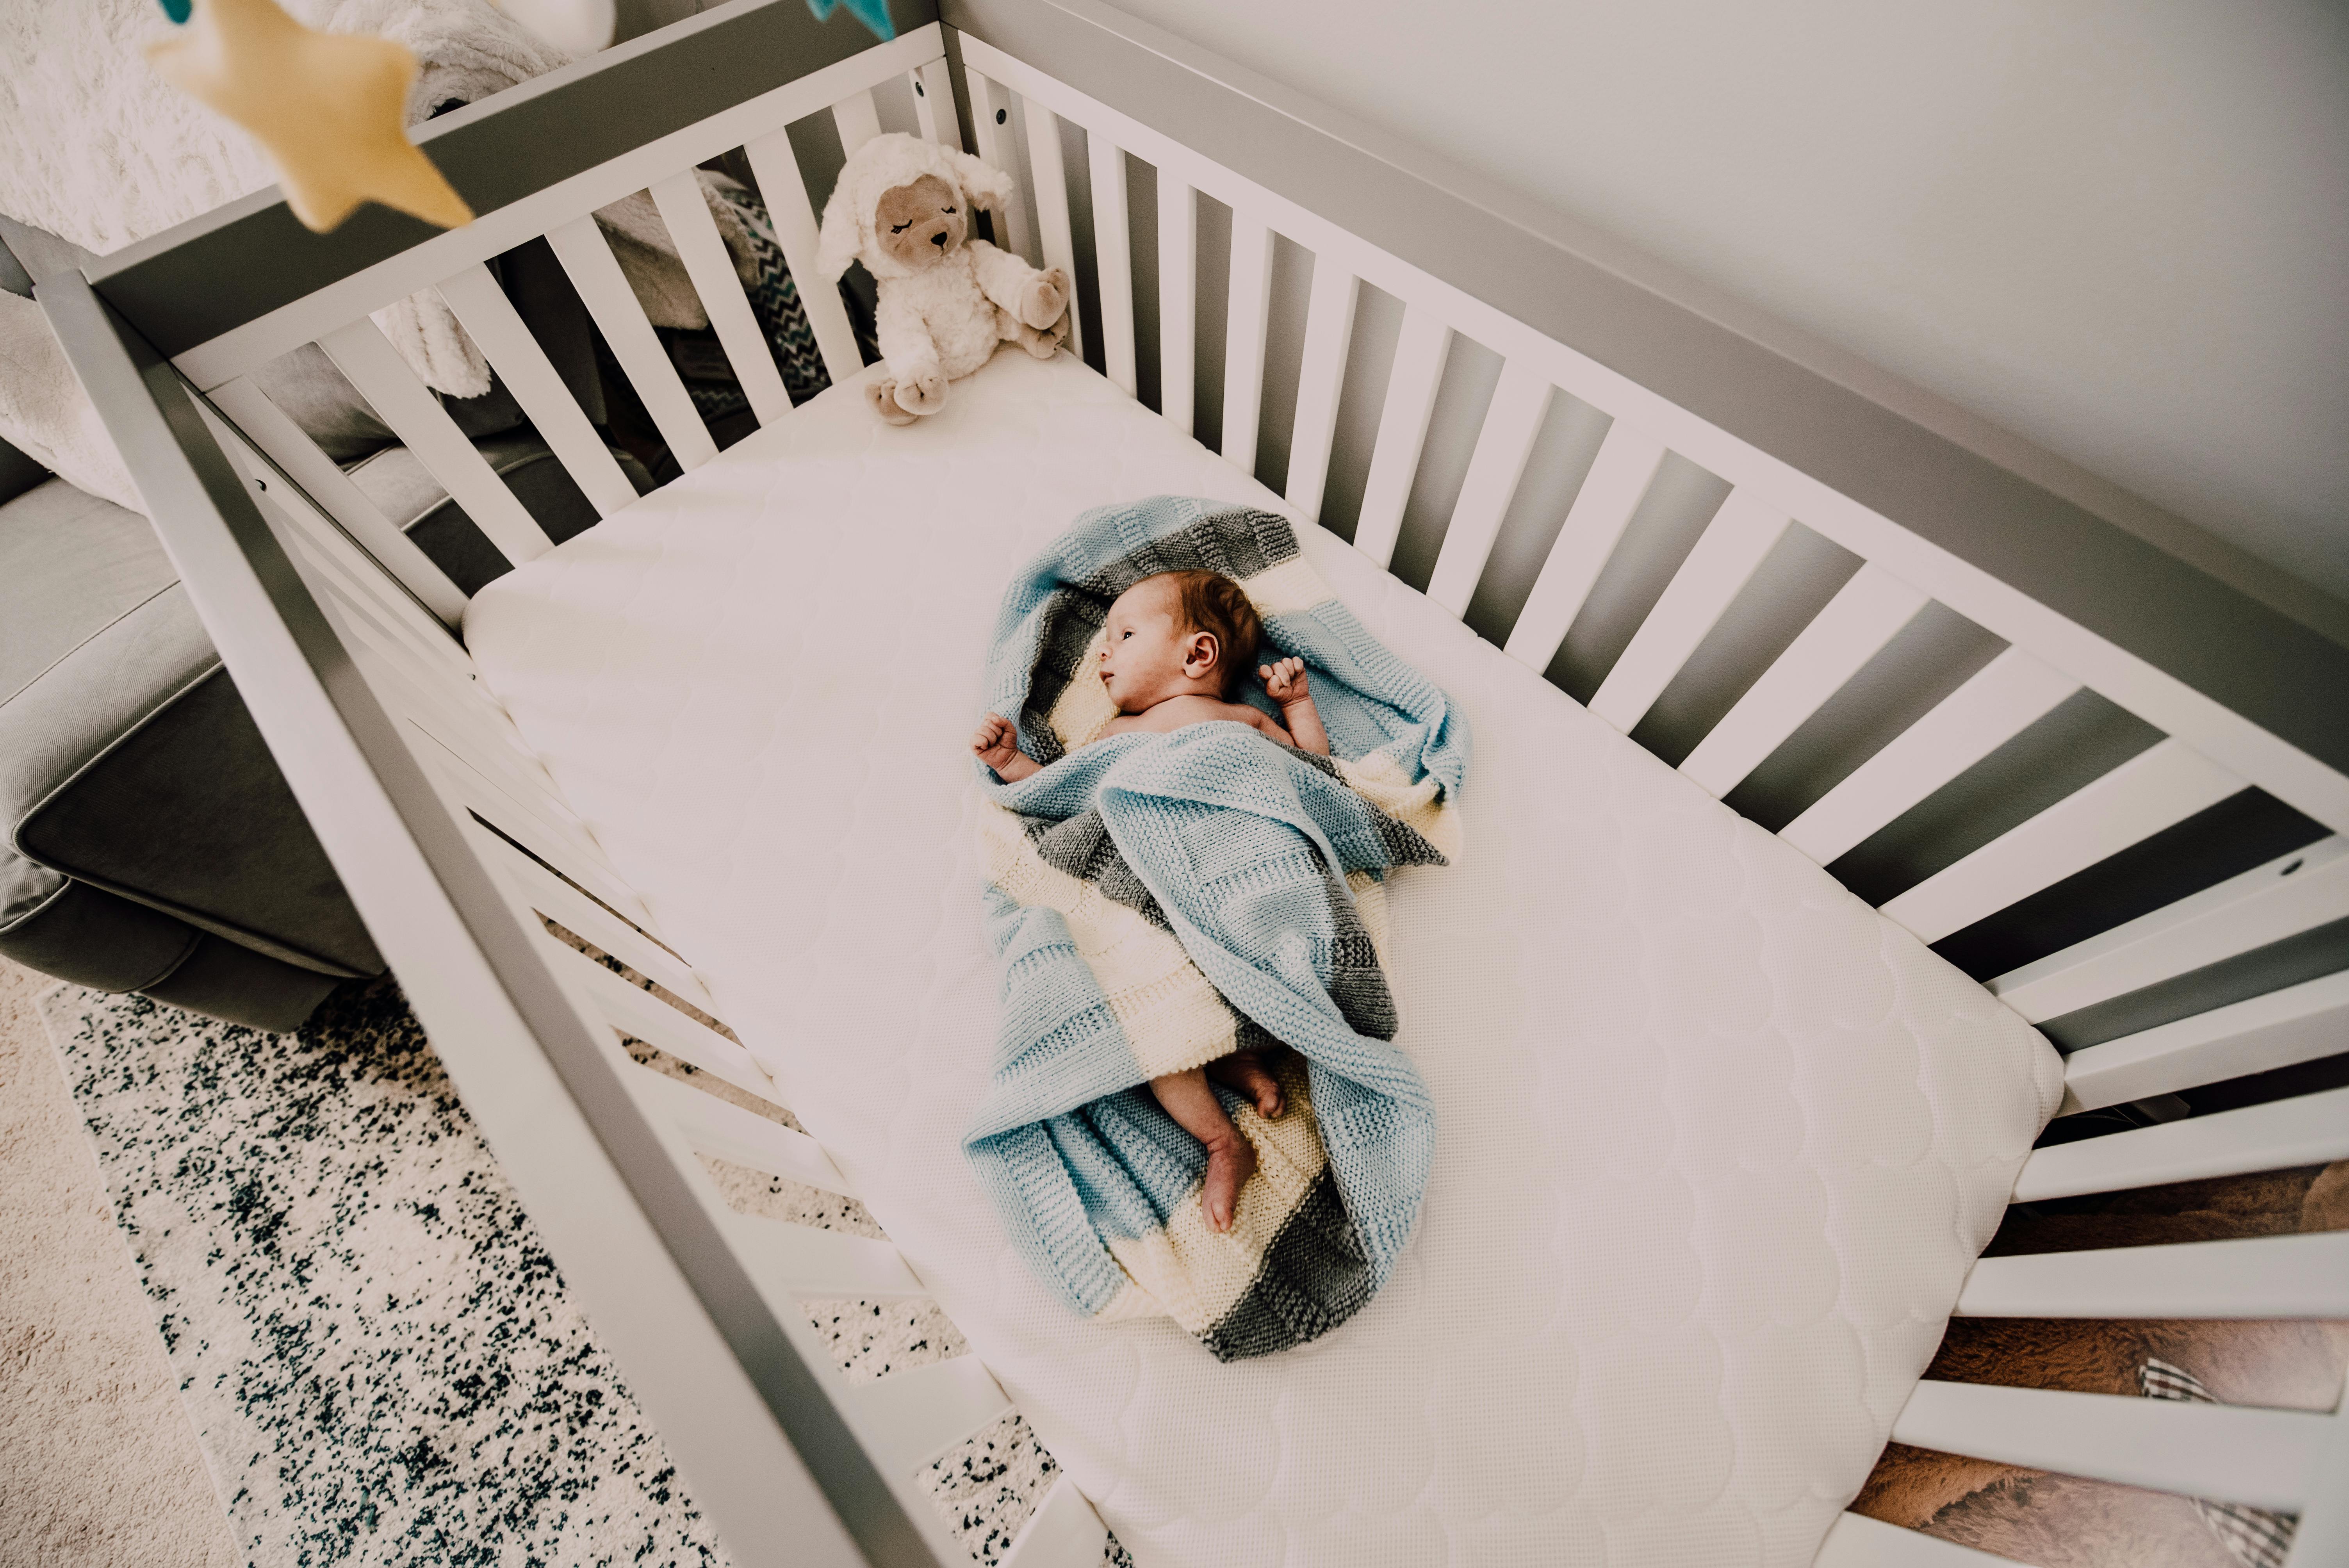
1158, 900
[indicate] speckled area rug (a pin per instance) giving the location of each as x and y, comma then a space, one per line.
380, 1361
378, 1357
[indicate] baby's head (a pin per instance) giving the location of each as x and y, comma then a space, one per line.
1179, 633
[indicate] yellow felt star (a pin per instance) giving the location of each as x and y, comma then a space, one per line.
327, 108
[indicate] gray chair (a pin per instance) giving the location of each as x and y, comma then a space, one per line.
147, 842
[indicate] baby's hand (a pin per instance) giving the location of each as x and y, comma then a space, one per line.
1285, 682
997, 742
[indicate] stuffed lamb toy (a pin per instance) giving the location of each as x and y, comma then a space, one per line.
902, 206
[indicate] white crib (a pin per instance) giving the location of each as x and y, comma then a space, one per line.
454, 842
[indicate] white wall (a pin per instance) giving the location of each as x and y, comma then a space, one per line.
2118, 228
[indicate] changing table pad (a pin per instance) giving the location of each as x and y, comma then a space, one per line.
1716, 1143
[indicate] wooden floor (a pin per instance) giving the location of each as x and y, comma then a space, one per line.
2063, 1521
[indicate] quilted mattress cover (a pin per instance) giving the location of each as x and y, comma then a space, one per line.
1717, 1143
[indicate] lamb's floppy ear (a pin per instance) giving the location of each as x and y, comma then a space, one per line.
840, 239
983, 184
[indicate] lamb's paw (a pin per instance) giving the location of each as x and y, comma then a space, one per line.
1042, 345
883, 396
926, 395
1044, 298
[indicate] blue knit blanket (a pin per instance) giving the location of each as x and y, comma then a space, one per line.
1159, 900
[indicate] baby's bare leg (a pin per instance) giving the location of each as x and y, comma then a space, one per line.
1245, 1071
1231, 1159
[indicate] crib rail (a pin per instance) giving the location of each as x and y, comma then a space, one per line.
1408, 411
2195, 756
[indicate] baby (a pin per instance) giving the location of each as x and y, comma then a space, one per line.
1174, 653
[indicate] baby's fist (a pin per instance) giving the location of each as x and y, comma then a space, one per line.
1285, 682
997, 742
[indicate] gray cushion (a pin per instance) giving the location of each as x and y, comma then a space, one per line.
408, 494
18, 473
70, 565
315, 396
125, 759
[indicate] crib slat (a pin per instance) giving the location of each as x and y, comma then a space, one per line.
2258, 1277
2141, 797
1519, 405
2296, 891
1998, 703
1052, 207
286, 444
1603, 508
1726, 556
1248, 317
990, 114
2282, 1028
346, 581
790, 1260
1856, 1541
655, 1022
908, 1418
1064, 1532
2307, 1129
1178, 300
455, 713
741, 1137
858, 119
469, 792
586, 257
335, 569
1328, 331
1863, 616
531, 376
363, 353
447, 724
710, 265
1412, 385
2236, 1453
2322, 1537
777, 169
934, 105
1113, 261
559, 901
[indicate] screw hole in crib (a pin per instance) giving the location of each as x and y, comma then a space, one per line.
918, 92
1001, 115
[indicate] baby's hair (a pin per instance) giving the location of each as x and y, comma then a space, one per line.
1212, 603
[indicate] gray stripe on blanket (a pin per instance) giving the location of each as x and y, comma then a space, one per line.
1238, 543
1357, 983
1315, 1276
1080, 846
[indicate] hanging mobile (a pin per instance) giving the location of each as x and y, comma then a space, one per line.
329, 109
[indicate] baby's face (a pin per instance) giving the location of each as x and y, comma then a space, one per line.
1142, 661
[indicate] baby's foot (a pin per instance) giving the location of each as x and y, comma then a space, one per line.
1246, 1072
1231, 1160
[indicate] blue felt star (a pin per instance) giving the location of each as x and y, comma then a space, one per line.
873, 14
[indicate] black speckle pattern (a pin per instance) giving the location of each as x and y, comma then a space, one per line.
380, 1359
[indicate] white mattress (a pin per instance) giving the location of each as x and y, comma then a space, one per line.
1717, 1143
